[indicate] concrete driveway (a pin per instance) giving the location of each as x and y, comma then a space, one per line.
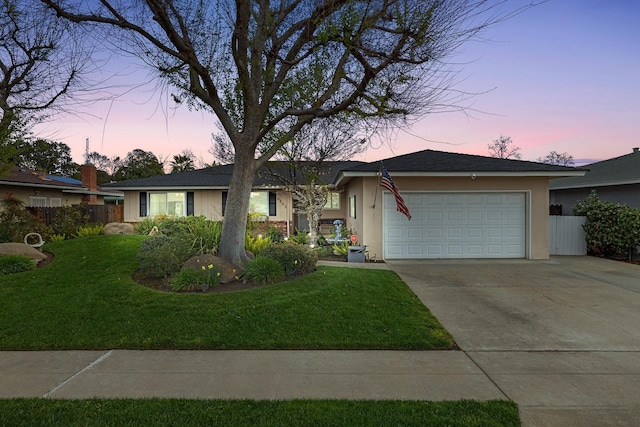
559, 337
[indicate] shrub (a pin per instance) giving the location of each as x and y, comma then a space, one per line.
57, 237
16, 222
10, 264
90, 230
192, 279
273, 233
204, 234
299, 237
296, 259
161, 256
144, 227
611, 229
264, 271
68, 220
341, 248
255, 244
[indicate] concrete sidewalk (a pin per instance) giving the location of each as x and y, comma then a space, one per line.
360, 375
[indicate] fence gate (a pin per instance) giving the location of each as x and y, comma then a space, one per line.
566, 235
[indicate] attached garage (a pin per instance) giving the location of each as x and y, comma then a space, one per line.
456, 225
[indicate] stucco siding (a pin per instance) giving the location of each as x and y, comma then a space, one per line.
536, 189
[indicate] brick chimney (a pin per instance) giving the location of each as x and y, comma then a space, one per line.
89, 177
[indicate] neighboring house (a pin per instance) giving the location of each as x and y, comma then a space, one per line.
462, 206
38, 189
615, 180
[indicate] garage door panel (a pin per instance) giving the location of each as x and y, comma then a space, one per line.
454, 199
456, 225
454, 233
475, 250
415, 251
474, 233
474, 216
434, 215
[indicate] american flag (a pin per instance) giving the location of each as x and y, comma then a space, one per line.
387, 182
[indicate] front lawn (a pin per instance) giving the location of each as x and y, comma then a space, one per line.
86, 299
176, 412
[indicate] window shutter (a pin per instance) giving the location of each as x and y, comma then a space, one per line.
190, 204
224, 201
272, 203
143, 203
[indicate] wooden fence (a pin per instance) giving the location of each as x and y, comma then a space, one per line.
98, 214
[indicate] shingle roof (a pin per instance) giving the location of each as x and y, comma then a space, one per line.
24, 177
27, 176
616, 171
441, 161
427, 161
220, 176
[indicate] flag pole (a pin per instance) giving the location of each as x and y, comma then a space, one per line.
375, 195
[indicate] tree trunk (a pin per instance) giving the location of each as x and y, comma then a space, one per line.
234, 224
313, 218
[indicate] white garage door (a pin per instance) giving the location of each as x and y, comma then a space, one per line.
455, 225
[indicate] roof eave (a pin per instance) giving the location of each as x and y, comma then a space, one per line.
36, 185
93, 193
596, 184
548, 174
189, 187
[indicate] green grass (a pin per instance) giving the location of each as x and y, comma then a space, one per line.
175, 412
86, 299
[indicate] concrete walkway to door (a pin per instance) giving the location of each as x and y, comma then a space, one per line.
560, 337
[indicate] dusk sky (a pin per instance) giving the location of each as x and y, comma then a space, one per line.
563, 76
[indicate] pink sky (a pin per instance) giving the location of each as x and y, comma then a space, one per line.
562, 76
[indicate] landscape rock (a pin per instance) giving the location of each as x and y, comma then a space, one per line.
22, 249
228, 271
119, 228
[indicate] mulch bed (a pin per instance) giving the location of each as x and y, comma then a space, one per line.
161, 285
48, 260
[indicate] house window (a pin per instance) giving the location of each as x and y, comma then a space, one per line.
39, 202
333, 201
263, 203
352, 207
260, 202
172, 204
55, 202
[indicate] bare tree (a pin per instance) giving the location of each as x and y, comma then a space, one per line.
106, 166
267, 69
309, 158
41, 66
555, 158
503, 148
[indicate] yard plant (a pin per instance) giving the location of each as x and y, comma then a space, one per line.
10, 264
87, 299
611, 229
